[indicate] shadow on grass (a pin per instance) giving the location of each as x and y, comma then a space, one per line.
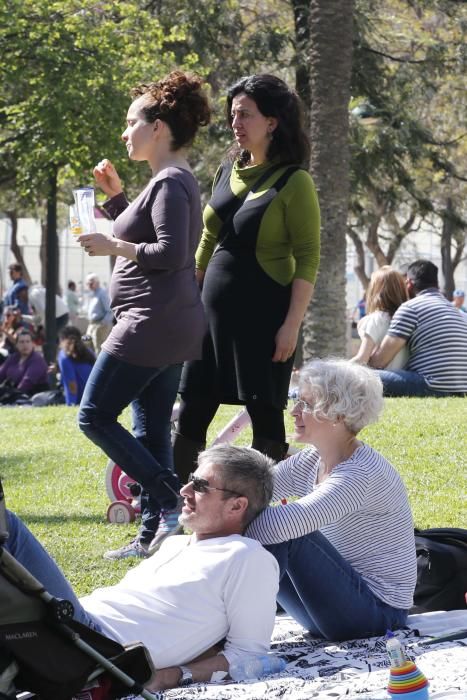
59, 519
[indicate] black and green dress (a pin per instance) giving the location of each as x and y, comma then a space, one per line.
261, 232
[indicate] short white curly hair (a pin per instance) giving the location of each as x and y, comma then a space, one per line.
340, 389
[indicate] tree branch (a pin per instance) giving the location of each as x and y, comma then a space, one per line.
392, 58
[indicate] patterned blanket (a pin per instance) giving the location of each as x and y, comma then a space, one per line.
354, 670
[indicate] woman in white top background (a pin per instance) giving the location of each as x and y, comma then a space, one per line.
345, 547
386, 292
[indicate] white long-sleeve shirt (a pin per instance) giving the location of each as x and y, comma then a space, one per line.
361, 508
189, 596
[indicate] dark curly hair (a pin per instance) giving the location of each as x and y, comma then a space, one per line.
274, 98
180, 101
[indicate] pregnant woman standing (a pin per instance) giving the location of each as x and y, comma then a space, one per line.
155, 299
257, 262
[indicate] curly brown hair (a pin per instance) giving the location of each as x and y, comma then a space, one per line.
180, 101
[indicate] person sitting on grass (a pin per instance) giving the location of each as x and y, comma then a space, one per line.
75, 362
346, 547
24, 372
13, 323
435, 334
196, 591
386, 292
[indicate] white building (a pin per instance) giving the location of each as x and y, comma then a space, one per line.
74, 263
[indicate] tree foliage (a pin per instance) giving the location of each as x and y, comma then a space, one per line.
66, 70
409, 65
67, 66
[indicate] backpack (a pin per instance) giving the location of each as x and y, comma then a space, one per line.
441, 569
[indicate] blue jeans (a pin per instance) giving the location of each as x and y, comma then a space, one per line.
322, 591
146, 455
29, 552
402, 382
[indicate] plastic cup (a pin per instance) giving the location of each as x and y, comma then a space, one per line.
84, 208
75, 226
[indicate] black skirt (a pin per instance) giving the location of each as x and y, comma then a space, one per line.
245, 308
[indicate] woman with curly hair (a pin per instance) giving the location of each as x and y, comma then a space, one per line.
75, 362
345, 546
154, 296
257, 263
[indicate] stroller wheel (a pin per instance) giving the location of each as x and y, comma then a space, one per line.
120, 513
112, 475
117, 483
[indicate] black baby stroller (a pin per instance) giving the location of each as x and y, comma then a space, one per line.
44, 651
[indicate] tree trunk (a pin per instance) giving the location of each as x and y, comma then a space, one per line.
14, 247
51, 270
330, 61
446, 241
359, 268
300, 10
43, 251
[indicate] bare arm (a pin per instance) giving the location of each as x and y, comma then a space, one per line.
388, 349
105, 244
364, 352
9, 333
202, 670
287, 335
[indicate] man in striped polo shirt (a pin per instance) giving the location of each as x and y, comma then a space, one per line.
436, 336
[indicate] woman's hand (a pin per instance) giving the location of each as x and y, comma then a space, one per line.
107, 178
97, 243
286, 342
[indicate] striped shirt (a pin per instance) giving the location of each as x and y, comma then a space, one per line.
436, 335
361, 508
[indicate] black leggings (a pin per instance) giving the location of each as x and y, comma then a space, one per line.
197, 412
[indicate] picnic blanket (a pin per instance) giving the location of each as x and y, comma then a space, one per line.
353, 670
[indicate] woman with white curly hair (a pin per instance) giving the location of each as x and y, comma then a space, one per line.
346, 546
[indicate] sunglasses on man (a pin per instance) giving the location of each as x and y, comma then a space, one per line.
202, 485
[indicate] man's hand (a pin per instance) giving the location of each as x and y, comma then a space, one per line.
390, 346
202, 669
165, 678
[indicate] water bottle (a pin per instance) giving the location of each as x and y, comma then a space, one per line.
395, 650
256, 667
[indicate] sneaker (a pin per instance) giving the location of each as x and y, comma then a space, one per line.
168, 525
135, 548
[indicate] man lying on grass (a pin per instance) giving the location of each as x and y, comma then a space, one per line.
197, 589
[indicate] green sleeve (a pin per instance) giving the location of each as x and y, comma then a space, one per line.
302, 219
212, 225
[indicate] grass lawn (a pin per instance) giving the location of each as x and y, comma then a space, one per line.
54, 477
